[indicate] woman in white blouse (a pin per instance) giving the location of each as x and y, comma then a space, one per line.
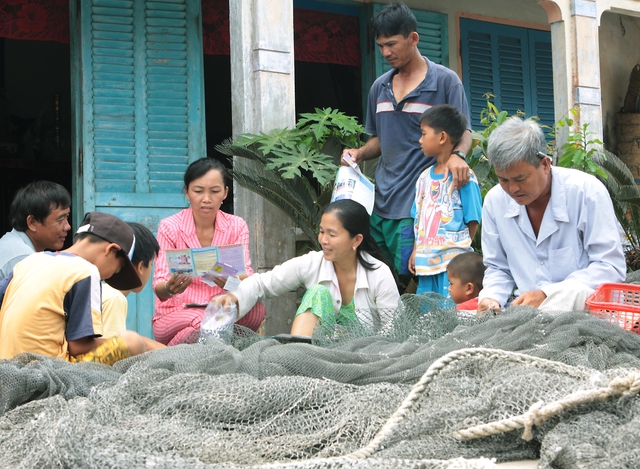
349, 280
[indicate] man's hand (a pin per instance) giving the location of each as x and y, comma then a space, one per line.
354, 153
487, 304
369, 151
459, 169
530, 298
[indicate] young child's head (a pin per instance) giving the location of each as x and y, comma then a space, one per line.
465, 273
442, 128
145, 252
108, 242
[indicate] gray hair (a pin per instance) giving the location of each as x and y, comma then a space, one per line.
516, 140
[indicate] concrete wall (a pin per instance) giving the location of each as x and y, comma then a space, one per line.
620, 34
515, 12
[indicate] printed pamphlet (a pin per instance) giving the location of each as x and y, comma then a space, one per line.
212, 261
350, 183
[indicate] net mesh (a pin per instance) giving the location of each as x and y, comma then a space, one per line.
335, 403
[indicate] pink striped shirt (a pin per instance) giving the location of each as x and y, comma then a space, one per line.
179, 232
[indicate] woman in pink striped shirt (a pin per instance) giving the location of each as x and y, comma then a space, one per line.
202, 224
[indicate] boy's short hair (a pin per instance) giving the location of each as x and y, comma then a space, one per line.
468, 267
396, 18
111, 229
147, 247
37, 199
445, 118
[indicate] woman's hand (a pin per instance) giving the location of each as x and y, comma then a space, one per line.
220, 281
177, 284
224, 300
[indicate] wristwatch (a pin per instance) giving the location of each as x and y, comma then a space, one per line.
461, 154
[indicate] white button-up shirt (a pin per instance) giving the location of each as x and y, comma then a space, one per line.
375, 297
578, 239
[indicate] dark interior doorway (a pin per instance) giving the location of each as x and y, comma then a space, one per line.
35, 118
321, 85
317, 85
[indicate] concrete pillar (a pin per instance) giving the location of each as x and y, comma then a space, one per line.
262, 88
576, 62
563, 97
586, 64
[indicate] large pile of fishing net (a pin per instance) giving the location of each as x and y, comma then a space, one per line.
409, 395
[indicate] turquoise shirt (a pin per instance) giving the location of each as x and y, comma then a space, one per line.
14, 246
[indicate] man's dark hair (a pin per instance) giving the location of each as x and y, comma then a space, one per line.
468, 267
396, 18
147, 247
37, 199
445, 118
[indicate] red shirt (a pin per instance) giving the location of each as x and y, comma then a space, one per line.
468, 305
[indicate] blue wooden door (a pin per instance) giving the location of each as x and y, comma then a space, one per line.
137, 86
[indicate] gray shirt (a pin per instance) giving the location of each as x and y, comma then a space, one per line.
397, 126
14, 246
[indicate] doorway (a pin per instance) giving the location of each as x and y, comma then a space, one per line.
35, 118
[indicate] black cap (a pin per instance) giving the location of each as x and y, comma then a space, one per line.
112, 229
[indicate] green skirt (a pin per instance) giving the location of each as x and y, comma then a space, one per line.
318, 300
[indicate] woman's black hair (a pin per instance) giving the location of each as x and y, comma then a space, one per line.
200, 167
355, 220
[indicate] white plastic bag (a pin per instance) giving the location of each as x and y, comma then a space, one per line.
217, 322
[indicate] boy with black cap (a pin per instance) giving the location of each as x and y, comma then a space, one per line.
52, 303
114, 302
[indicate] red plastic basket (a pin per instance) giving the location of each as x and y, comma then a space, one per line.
618, 303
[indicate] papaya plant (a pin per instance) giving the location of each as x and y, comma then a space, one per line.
295, 168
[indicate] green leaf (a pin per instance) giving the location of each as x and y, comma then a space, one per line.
293, 197
303, 158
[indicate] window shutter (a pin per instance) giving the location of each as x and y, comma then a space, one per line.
513, 64
434, 43
140, 106
542, 76
478, 72
138, 97
511, 70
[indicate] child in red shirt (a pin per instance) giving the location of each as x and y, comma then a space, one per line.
465, 273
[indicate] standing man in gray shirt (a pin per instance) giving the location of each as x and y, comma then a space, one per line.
396, 101
39, 217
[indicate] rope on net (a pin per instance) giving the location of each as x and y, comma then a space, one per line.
436, 367
539, 413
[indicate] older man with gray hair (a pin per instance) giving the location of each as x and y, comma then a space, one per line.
547, 231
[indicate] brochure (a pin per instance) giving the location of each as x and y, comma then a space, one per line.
214, 261
352, 184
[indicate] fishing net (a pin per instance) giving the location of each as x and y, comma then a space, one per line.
433, 388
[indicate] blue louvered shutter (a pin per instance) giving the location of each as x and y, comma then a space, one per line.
433, 32
542, 76
513, 64
138, 88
